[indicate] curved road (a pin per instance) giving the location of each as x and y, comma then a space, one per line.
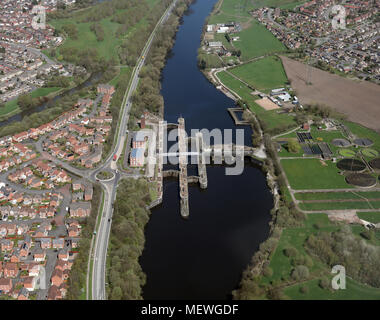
109, 187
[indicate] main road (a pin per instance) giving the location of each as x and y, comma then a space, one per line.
99, 254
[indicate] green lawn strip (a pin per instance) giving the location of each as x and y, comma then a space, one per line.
354, 291
122, 71
334, 206
256, 41
285, 4
264, 74
312, 174
373, 217
337, 195
271, 118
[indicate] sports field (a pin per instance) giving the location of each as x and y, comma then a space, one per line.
264, 74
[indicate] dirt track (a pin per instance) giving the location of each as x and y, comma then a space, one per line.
360, 101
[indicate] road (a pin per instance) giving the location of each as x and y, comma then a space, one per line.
110, 187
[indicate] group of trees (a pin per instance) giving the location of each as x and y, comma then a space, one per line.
148, 96
58, 81
125, 276
342, 247
98, 30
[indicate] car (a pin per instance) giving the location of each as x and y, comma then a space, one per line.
109, 220
95, 233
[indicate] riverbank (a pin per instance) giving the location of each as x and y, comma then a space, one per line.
289, 263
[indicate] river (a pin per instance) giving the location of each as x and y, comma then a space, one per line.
204, 256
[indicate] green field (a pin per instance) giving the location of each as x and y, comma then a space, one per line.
296, 237
87, 38
318, 206
264, 74
271, 118
284, 4
373, 217
108, 48
312, 174
256, 41
337, 195
354, 291
123, 71
11, 107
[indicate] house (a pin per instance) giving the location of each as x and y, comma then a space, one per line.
58, 243
10, 270
137, 157
63, 254
23, 294
30, 283
5, 285
45, 243
6, 245
80, 209
139, 139
88, 192
39, 255
106, 89
57, 277
54, 293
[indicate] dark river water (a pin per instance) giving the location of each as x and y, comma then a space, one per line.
202, 257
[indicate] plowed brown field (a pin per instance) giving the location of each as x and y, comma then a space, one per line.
359, 100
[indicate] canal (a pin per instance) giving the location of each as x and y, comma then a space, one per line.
204, 256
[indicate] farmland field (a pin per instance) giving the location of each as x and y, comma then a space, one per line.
256, 41
264, 74
344, 95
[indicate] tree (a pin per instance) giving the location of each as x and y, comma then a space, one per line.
25, 101
293, 146
300, 273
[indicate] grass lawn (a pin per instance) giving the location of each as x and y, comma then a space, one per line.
86, 38
354, 291
11, 107
264, 74
337, 195
370, 216
256, 41
334, 206
312, 174
284, 4
296, 237
271, 118
122, 72
108, 48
